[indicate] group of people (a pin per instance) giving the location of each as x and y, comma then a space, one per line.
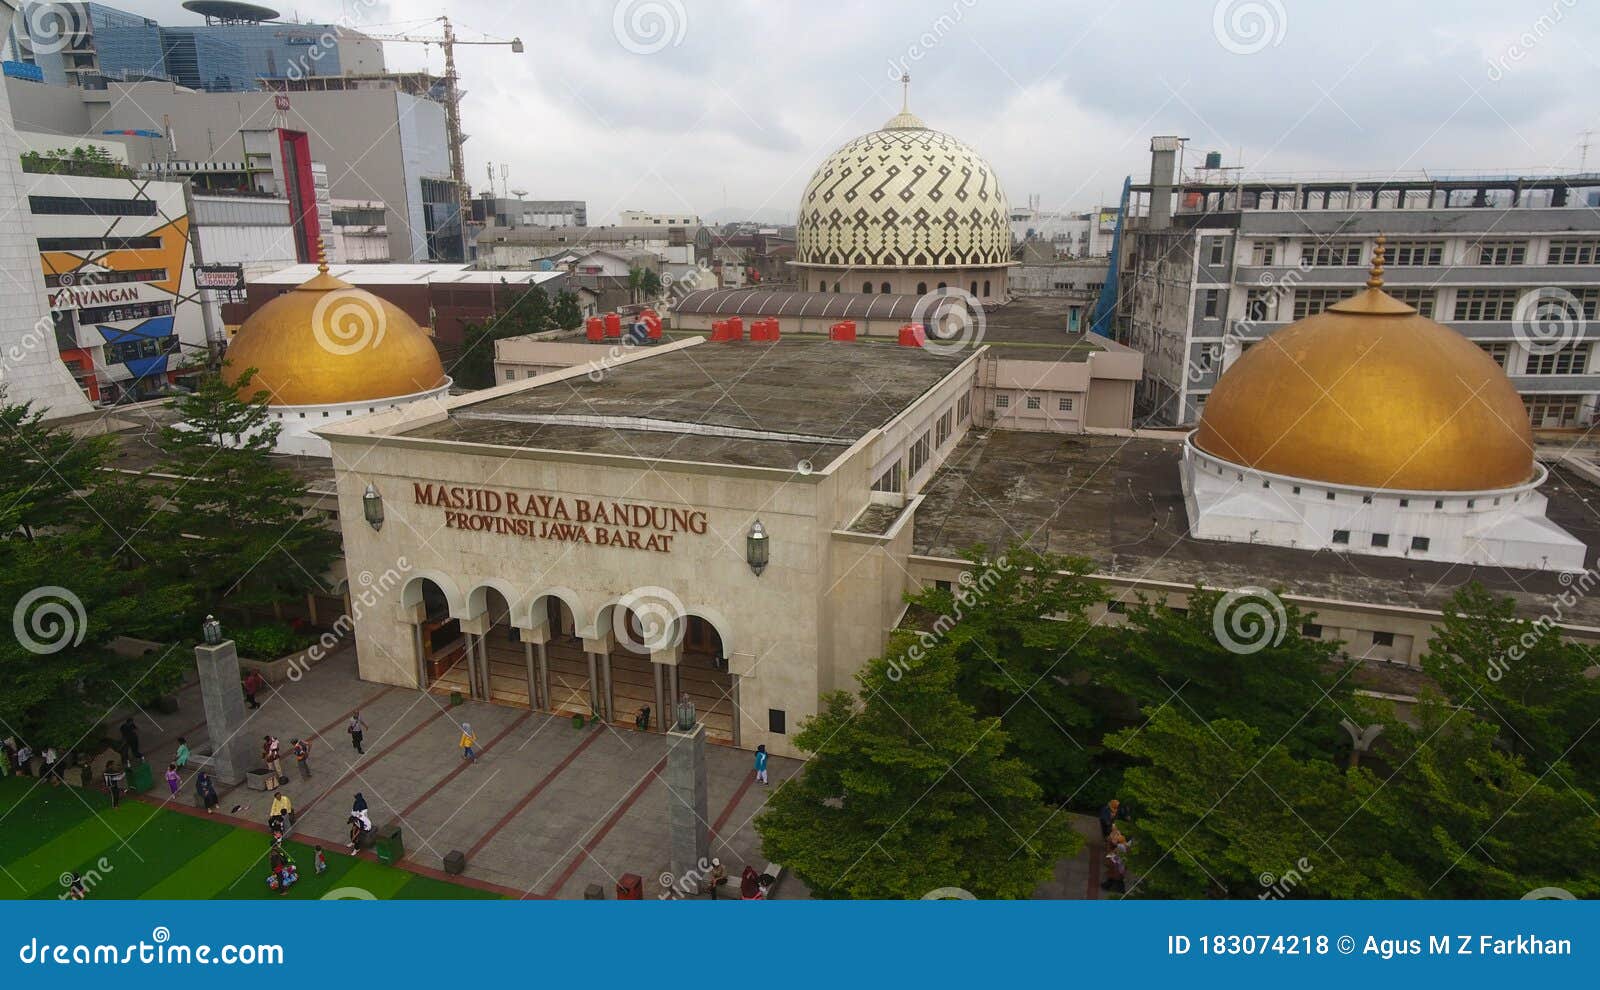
17, 758
1112, 813
753, 885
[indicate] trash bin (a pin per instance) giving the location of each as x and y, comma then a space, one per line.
140, 778
389, 847
630, 887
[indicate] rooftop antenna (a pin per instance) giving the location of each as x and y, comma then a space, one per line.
1583, 149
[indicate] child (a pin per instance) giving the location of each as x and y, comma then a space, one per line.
761, 764
172, 778
321, 862
183, 753
468, 743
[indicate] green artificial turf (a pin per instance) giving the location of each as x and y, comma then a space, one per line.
141, 851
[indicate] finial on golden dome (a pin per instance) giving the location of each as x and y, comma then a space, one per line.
1375, 277
322, 256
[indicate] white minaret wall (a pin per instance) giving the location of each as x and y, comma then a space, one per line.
30, 364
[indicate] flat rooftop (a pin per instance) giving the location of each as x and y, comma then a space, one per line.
1118, 502
743, 403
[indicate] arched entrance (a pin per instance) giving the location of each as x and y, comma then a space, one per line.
703, 676
566, 664
502, 647
441, 644
631, 669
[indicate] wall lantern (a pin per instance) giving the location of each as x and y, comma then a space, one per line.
372, 507
756, 548
211, 630
685, 713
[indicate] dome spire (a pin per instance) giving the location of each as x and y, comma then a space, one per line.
905, 91
905, 120
1375, 276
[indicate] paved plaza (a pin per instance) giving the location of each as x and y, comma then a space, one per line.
546, 810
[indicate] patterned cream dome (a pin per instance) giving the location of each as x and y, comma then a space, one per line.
904, 196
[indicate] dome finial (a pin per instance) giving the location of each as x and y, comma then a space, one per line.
905, 90
1375, 276
322, 256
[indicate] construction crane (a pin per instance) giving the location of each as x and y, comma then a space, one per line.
448, 41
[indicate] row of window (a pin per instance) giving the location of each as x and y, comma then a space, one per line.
124, 351
893, 479
885, 289
131, 311
1414, 253
104, 278
1310, 630
347, 412
1419, 544
1063, 404
1333, 496
91, 206
99, 243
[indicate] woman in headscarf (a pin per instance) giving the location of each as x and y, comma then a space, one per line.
360, 822
750, 885
206, 791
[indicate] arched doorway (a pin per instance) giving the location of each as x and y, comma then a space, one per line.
630, 673
503, 650
566, 664
703, 676
441, 644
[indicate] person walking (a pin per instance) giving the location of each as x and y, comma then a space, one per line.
469, 743
114, 778
281, 805
761, 764
1110, 813
130, 740
182, 759
271, 756
51, 770
253, 683
206, 791
173, 780
357, 729
1116, 869
302, 757
24, 762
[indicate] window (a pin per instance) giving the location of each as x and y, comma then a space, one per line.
135, 347
1002, 402
942, 429
1211, 301
1419, 544
1554, 410
942, 585
836, 286
1570, 360
777, 721
1573, 251
86, 279
1311, 630
1499, 351
91, 206
866, 288
1404, 502
1502, 252
1380, 539
974, 290
1438, 503
1217, 246
918, 456
1366, 500
99, 243
1065, 405
1382, 639
1116, 608
131, 311
986, 288
1414, 254
1310, 302
1259, 305
889, 481
1333, 254
963, 408
1421, 300
1033, 402
1341, 536
1485, 304
1330, 496
884, 288
922, 288
1263, 254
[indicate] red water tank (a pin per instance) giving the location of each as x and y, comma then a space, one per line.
736, 327
725, 330
595, 328
764, 329
912, 335
843, 330
652, 323
613, 325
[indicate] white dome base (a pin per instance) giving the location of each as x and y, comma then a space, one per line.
296, 423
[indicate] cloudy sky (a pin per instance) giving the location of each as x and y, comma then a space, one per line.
724, 108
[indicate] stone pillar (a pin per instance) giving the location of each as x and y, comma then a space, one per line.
533, 680
594, 682
661, 711
606, 698
687, 803
544, 675
483, 667
231, 751
738, 714
472, 666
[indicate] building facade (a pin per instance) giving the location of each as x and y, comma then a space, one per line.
1210, 270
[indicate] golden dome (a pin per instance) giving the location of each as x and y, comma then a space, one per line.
328, 343
903, 196
1370, 394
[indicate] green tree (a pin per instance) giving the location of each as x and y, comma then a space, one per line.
908, 791
1521, 675
1024, 649
524, 313
1233, 656
566, 315
241, 520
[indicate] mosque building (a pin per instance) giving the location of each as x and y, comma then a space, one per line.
1370, 428
329, 351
